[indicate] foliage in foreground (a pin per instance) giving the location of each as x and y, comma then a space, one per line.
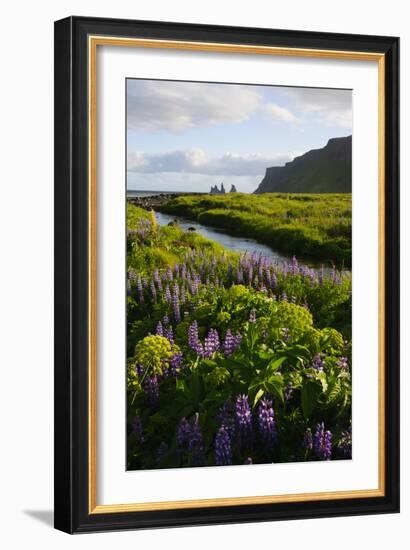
314, 226
232, 359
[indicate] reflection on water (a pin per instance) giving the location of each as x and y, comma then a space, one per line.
230, 242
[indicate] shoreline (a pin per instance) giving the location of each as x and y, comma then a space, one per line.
150, 202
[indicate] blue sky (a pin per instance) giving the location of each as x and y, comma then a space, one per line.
187, 136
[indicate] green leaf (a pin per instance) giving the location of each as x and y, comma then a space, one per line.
275, 385
322, 377
309, 396
258, 396
274, 364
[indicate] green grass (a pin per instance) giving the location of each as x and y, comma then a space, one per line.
312, 226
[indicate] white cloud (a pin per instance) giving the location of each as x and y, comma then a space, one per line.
178, 106
278, 113
333, 106
196, 161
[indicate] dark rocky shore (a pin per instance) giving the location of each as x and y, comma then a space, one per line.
155, 201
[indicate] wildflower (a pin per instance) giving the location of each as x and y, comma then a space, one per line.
226, 419
318, 363
169, 334
266, 422
175, 303
322, 442
193, 339
223, 450
211, 344
342, 363
189, 439
288, 392
345, 443
152, 352
231, 343
159, 331
175, 364
243, 421
151, 389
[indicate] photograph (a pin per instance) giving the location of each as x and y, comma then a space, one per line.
238, 274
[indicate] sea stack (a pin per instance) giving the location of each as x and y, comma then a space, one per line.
215, 191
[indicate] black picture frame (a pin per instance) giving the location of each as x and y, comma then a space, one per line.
72, 277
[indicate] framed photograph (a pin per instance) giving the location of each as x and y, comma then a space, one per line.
226, 274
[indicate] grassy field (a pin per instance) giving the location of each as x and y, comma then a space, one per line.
312, 226
232, 359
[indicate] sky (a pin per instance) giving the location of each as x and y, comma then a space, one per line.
188, 136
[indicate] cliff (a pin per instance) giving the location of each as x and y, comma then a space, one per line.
326, 170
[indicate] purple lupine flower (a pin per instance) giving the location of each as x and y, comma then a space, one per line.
151, 389
136, 425
322, 442
193, 339
175, 364
239, 276
139, 369
308, 440
129, 290
252, 316
196, 443
165, 320
140, 289
169, 274
168, 297
175, 303
318, 363
159, 331
157, 280
288, 392
243, 421
189, 439
182, 298
211, 344
226, 418
266, 422
284, 297
342, 363
162, 449
223, 450
132, 277
169, 334
274, 281
295, 267
183, 433
231, 343
194, 286
345, 443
